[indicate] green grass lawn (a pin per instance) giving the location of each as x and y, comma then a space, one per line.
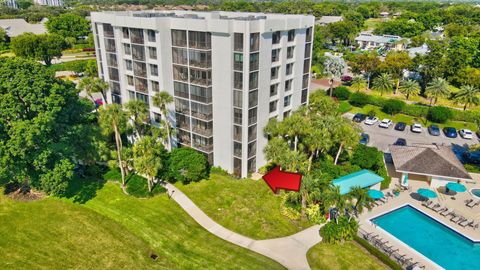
372, 23
112, 230
341, 256
245, 206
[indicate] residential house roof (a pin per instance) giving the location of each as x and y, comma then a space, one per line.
430, 160
412, 52
15, 27
363, 179
329, 19
367, 37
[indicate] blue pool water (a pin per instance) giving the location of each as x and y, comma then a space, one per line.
435, 241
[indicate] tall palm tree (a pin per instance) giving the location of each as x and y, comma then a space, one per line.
383, 84
147, 158
333, 67
361, 197
94, 85
113, 119
161, 100
359, 83
409, 87
468, 95
438, 87
346, 135
138, 112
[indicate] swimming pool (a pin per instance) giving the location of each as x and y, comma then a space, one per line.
432, 239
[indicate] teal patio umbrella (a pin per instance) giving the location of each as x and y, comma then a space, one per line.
425, 192
457, 187
375, 194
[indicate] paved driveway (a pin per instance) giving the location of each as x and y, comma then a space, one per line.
381, 138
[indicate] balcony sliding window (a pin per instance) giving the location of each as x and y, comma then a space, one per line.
110, 45
252, 98
304, 96
136, 35
179, 38
180, 89
201, 94
202, 143
179, 56
115, 88
252, 164
253, 61
237, 116
238, 80
139, 69
305, 81
201, 111
127, 49
252, 116
130, 80
238, 42
184, 137
252, 149
138, 52
254, 42
183, 121
237, 99
202, 127
237, 167
308, 48
252, 133
199, 40
276, 37
143, 98
113, 74
237, 133
253, 81
180, 73
306, 66
181, 106
107, 30
201, 59
112, 60
237, 149
141, 85
238, 61
201, 77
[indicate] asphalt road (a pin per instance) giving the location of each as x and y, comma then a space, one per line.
381, 138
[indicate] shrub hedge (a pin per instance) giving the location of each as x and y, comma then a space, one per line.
377, 253
439, 114
393, 106
341, 92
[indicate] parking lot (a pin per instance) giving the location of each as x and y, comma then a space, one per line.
381, 138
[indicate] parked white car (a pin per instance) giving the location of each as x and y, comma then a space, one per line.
386, 123
371, 120
466, 134
417, 128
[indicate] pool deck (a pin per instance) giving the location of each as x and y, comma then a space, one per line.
410, 198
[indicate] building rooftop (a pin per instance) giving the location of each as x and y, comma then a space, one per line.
363, 179
430, 160
368, 37
412, 52
329, 19
15, 27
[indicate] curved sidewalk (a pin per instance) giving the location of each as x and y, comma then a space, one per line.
290, 251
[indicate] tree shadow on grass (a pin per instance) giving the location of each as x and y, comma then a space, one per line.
83, 188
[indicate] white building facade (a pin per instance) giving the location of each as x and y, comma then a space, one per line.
52, 3
229, 73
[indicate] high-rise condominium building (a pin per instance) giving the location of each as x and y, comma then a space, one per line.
53, 3
229, 73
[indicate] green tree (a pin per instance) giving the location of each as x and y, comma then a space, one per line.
148, 158
439, 87
360, 195
365, 64
43, 47
4, 39
383, 84
91, 69
394, 64
409, 88
333, 67
468, 95
138, 113
68, 25
93, 85
43, 126
113, 120
345, 135
358, 83
187, 165
161, 100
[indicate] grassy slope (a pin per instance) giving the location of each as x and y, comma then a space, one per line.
341, 256
120, 231
244, 206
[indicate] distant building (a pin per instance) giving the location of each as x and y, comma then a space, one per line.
324, 20
422, 50
15, 27
384, 14
52, 3
368, 41
11, 3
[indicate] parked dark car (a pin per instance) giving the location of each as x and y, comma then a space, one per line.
434, 130
365, 138
359, 117
471, 157
346, 78
400, 126
450, 132
401, 142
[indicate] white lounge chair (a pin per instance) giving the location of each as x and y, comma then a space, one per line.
426, 203
475, 225
473, 203
446, 212
466, 222
432, 206
456, 219
437, 207
440, 209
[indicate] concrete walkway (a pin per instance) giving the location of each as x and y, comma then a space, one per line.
290, 251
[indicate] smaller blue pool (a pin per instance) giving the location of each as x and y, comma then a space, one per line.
475, 192
434, 240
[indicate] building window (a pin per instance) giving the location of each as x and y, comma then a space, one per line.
238, 42
253, 61
153, 70
115, 88
138, 52
113, 74
273, 89
136, 35
143, 98
237, 116
111, 60
306, 66
309, 34
305, 81
304, 96
140, 69
289, 69
253, 81
286, 114
151, 35
179, 56
237, 149
291, 35
252, 133
274, 73
179, 38
288, 85
237, 167
252, 98
110, 45
254, 42
290, 51
126, 35
141, 85
107, 30
181, 106
200, 77
287, 100
129, 65
275, 55
201, 94
308, 48
202, 59
180, 89
199, 40
152, 52
252, 116
237, 133
238, 61
180, 73
238, 80
201, 111
252, 149
130, 80
252, 165
131, 95
276, 37
273, 106
155, 86
237, 99
127, 49
157, 118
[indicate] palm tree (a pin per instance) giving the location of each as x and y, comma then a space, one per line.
147, 158
161, 100
383, 84
333, 67
346, 136
138, 112
113, 119
94, 85
359, 83
409, 87
468, 95
438, 87
361, 197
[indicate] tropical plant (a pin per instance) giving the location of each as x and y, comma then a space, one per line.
383, 84
344, 230
161, 100
149, 158
333, 67
409, 88
361, 198
138, 113
393, 106
113, 119
44, 47
187, 165
468, 95
437, 88
346, 135
93, 85
358, 83
439, 114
